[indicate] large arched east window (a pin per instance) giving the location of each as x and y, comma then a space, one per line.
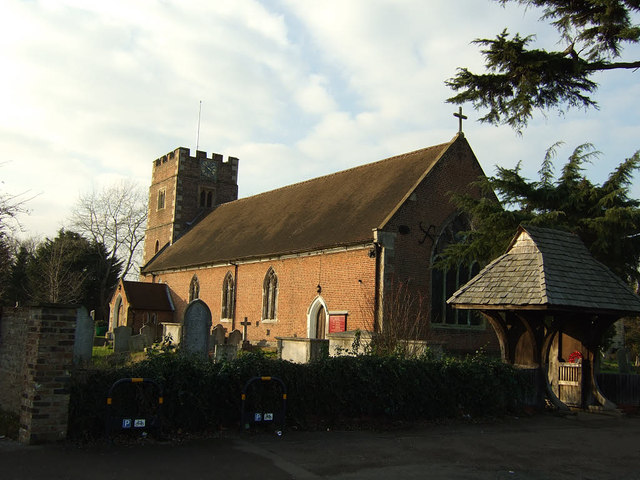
228, 295
194, 289
270, 295
445, 281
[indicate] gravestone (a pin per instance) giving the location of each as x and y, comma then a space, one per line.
137, 343
197, 325
225, 352
83, 343
121, 336
148, 332
235, 338
623, 360
172, 331
218, 335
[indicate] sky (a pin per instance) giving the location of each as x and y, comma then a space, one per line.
92, 92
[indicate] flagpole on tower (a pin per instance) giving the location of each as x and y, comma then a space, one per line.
198, 134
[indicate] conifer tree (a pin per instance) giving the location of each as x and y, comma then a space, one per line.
605, 218
520, 80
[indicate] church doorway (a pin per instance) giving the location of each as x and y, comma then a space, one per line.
317, 319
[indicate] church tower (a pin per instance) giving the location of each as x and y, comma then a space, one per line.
183, 190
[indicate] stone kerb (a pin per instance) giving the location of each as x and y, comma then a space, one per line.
197, 325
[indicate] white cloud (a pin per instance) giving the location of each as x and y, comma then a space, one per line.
93, 90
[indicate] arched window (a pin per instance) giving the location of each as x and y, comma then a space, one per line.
194, 289
157, 246
228, 296
118, 313
270, 295
445, 281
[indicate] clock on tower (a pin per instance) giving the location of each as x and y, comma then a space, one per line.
208, 169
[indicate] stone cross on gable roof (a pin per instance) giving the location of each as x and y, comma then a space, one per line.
461, 117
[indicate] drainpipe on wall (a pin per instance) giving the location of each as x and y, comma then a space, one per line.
377, 251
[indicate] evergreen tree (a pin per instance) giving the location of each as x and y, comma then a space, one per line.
521, 80
70, 269
603, 216
5, 266
18, 290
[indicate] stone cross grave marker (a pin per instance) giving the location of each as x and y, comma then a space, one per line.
121, 336
245, 324
83, 343
197, 325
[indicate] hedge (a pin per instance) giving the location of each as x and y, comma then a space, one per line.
202, 396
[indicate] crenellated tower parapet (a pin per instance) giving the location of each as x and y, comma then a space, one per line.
183, 190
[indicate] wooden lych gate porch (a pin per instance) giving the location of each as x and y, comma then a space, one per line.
550, 304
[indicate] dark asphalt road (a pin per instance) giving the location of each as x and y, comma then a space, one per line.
584, 446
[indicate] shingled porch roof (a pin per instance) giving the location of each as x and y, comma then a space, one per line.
340, 209
545, 269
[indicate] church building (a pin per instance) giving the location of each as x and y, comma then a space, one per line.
316, 257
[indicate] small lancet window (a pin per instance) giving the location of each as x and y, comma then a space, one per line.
270, 295
228, 296
194, 289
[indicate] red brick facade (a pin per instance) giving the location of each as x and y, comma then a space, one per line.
346, 280
349, 280
124, 312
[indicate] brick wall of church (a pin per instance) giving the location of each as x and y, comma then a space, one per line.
430, 209
346, 278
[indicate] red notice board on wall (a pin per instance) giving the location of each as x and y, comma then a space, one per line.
337, 322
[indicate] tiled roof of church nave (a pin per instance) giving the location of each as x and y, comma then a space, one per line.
547, 269
338, 209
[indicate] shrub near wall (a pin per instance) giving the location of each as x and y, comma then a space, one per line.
203, 396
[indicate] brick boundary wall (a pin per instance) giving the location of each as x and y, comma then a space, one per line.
13, 338
36, 361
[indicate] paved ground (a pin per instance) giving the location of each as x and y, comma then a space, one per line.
584, 446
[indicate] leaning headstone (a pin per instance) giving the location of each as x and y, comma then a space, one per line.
218, 335
197, 324
235, 338
623, 360
121, 336
148, 333
83, 343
